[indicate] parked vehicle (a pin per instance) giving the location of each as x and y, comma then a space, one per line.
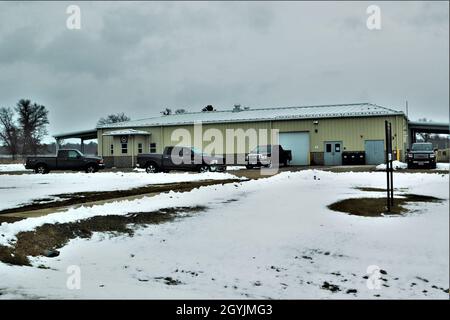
421, 155
66, 159
179, 158
262, 156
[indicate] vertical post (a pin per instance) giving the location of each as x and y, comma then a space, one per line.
132, 151
82, 145
392, 167
388, 194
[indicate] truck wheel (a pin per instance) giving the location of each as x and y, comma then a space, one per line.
151, 168
41, 169
203, 168
249, 166
91, 168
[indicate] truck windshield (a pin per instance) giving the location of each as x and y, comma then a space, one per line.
422, 147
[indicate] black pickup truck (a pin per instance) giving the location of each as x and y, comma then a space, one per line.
421, 155
265, 155
179, 158
66, 159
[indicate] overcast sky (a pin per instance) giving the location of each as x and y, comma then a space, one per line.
142, 57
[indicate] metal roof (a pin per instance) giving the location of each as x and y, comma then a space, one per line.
431, 127
129, 132
262, 114
85, 134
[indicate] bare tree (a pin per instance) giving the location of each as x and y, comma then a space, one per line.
208, 108
166, 112
113, 118
9, 132
33, 119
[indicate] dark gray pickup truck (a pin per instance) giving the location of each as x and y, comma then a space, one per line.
180, 158
421, 155
66, 159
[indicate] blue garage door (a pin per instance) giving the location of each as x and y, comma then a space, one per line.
374, 151
298, 143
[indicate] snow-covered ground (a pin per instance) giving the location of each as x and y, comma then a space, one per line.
276, 239
443, 166
401, 165
12, 167
395, 164
234, 168
20, 189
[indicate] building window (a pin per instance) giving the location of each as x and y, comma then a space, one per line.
112, 149
124, 148
139, 147
328, 147
153, 147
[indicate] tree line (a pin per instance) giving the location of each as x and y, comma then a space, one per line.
23, 127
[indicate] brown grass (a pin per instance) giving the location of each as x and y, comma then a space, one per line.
55, 236
69, 199
376, 207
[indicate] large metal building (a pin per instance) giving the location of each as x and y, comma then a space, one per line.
317, 135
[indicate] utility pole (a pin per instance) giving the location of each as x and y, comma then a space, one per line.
407, 109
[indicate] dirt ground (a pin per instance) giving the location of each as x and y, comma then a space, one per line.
256, 172
46, 239
376, 207
40, 208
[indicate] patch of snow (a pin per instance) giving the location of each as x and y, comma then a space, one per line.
276, 240
443, 166
20, 189
395, 164
234, 168
401, 165
12, 167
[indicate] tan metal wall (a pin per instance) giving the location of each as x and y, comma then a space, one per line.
104, 142
351, 131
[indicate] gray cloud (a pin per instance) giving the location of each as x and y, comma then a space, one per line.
142, 57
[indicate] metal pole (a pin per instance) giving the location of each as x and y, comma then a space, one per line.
387, 166
392, 167
132, 153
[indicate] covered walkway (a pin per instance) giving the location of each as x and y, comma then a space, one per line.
82, 135
415, 127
